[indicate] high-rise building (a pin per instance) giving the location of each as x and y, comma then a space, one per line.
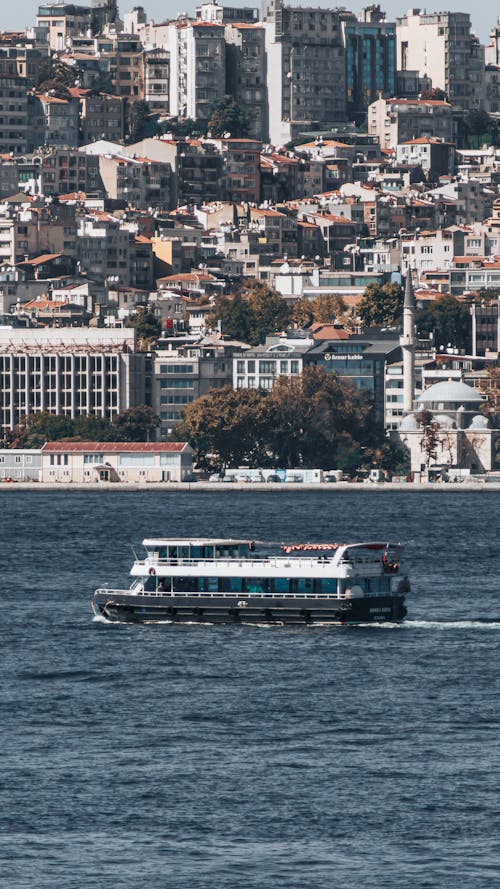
197, 67
246, 73
305, 68
370, 45
442, 47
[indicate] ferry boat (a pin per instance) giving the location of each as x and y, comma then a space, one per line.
207, 580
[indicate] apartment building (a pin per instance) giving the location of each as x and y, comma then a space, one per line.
137, 180
102, 116
107, 250
54, 120
441, 47
14, 113
486, 327
306, 78
394, 121
58, 22
156, 78
197, 67
434, 156
240, 169
246, 74
59, 171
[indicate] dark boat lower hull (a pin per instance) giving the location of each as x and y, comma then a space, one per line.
123, 608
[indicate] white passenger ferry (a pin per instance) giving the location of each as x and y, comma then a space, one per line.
241, 581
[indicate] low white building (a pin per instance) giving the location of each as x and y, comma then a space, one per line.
111, 461
20, 464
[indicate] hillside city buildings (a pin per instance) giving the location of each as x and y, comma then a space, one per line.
363, 154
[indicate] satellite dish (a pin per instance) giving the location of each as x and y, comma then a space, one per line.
227, 135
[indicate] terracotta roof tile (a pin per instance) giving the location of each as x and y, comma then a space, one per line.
113, 447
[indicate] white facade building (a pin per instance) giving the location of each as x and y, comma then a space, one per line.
440, 46
92, 461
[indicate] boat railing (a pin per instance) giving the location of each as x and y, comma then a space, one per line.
349, 566
276, 562
165, 594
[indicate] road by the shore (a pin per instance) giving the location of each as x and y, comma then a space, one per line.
270, 487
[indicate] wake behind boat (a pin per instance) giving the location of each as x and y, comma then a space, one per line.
238, 581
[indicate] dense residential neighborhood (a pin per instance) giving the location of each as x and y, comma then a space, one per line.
267, 238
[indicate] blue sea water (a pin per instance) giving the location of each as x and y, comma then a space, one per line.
199, 757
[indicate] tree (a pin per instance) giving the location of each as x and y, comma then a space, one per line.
381, 305
449, 320
434, 93
52, 71
136, 424
147, 325
138, 118
251, 315
316, 419
35, 429
226, 427
430, 440
323, 309
490, 386
234, 315
228, 117
184, 128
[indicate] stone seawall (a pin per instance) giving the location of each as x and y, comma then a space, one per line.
271, 487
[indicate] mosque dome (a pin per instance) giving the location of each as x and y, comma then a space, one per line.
479, 422
444, 421
409, 424
450, 393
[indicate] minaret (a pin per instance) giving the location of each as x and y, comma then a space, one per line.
407, 341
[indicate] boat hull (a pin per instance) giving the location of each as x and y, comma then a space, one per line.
125, 608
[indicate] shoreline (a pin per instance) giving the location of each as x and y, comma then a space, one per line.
271, 487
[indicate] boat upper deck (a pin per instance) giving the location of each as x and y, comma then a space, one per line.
226, 557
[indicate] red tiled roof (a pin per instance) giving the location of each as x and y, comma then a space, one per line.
39, 260
112, 447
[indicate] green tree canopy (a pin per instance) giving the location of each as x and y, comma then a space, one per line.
434, 93
316, 419
323, 309
251, 315
147, 325
51, 71
226, 427
138, 116
185, 128
382, 305
135, 424
228, 117
449, 320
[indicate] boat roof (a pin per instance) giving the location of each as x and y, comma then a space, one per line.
194, 541
229, 541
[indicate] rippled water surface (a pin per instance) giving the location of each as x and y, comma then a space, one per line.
247, 758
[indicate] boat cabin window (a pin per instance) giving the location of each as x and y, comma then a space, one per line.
200, 551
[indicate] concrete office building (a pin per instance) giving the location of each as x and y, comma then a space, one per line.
370, 45
68, 371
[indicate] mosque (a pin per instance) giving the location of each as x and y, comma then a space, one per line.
443, 425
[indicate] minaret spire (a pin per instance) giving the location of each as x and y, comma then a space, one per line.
407, 341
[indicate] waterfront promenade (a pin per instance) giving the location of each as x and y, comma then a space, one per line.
271, 487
